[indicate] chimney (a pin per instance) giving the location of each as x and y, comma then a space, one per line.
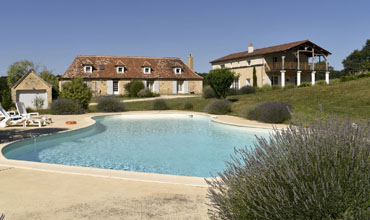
191, 62
250, 48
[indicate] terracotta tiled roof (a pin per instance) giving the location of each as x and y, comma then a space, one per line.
162, 68
267, 50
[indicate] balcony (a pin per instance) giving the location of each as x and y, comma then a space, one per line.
277, 66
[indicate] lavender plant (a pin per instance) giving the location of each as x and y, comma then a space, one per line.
271, 112
316, 172
218, 106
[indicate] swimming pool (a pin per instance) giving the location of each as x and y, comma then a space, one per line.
177, 144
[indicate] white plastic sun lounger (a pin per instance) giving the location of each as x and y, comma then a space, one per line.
21, 108
10, 120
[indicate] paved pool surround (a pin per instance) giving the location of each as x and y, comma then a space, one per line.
86, 120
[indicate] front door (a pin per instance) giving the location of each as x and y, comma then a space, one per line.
180, 86
115, 88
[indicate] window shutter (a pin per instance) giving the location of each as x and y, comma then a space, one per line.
110, 87
156, 86
144, 82
174, 87
186, 85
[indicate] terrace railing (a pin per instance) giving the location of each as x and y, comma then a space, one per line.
277, 66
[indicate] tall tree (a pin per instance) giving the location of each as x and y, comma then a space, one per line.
358, 60
18, 69
254, 77
49, 77
5, 96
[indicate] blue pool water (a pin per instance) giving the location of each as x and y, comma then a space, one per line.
168, 144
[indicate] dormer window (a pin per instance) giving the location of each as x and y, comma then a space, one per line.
120, 69
177, 70
147, 70
88, 69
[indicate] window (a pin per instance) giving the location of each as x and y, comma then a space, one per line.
274, 80
115, 87
222, 66
88, 69
88, 83
150, 85
120, 69
95, 86
101, 67
248, 82
274, 59
249, 62
235, 84
177, 70
147, 70
180, 86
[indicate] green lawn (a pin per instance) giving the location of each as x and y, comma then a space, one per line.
344, 100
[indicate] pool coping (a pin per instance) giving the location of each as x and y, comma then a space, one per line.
127, 175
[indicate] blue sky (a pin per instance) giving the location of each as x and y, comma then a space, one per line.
52, 33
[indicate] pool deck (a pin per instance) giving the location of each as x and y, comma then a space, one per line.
65, 192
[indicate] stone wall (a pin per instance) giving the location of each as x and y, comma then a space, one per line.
165, 86
246, 74
196, 86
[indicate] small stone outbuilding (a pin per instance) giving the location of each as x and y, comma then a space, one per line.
30, 86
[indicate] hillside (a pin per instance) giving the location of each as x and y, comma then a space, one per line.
348, 99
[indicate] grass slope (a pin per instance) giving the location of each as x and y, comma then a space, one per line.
345, 100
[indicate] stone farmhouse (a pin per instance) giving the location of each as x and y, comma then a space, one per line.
294, 63
107, 75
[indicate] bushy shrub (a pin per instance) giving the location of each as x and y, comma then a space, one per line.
304, 84
6, 99
208, 92
135, 87
363, 75
38, 102
66, 107
219, 107
232, 92
315, 172
220, 80
264, 88
77, 90
353, 77
160, 104
271, 112
188, 106
247, 90
290, 86
145, 93
276, 87
110, 104
321, 83
127, 88
347, 78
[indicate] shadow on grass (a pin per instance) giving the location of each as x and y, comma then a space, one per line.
18, 134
